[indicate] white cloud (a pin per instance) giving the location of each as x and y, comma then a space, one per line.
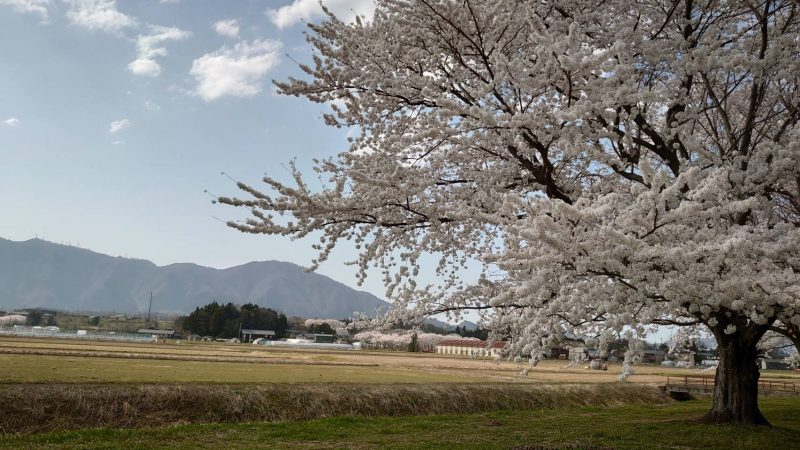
229, 28
298, 10
151, 105
148, 48
144, 66
117, 143
98, 15
119, 125
236, 71
11, 121
29, 6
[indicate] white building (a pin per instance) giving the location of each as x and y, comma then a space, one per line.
469, 347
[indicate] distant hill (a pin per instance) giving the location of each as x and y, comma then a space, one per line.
37, 273
439, 324
467, 325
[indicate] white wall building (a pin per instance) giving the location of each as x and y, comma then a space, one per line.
469, 347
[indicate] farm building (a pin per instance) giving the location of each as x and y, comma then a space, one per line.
161, 334
249, 335
469, 347
773, 364
574, 351
322, 338
653, 356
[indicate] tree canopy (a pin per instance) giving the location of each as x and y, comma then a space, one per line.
612, 164
225, 321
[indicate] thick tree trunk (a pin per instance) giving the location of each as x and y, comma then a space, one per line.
736, 386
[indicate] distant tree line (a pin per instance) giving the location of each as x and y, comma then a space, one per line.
37, 317
473, 333
321, 328
479, 333
225, 321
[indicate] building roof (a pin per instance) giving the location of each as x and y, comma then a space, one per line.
156, 332
470, 343
264, 332
653, 352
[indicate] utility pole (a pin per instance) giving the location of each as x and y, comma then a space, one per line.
149, 307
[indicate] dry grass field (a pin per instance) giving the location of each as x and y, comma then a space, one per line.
31, 360
48, 407
172, 395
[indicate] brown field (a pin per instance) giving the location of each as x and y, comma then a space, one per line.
57, 393
93, 383
25, 360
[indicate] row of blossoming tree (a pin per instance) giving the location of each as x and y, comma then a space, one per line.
402, 339
613, 165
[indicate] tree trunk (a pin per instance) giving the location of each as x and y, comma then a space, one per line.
736, 385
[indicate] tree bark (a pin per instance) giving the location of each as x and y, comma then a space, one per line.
736, 384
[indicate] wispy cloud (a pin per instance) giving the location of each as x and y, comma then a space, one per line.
228, 28
237, 71
151, 105
98, 15
298, 10
39, 7
11, 122
119, 125
148, 47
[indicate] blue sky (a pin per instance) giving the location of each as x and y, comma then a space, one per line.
115, 116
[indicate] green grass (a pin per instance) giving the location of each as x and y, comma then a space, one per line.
68, 369
633, 426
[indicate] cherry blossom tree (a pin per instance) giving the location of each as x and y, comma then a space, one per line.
612, 165
400, 339
336, 325
776, 345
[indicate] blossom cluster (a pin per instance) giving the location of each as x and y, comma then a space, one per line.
610, 165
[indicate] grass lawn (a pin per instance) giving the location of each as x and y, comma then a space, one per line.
635, 427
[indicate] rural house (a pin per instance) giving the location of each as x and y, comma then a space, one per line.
250, 335
653, 356
160, 334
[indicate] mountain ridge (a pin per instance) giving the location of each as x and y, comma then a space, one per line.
38, 273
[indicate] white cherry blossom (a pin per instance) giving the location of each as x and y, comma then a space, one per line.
611, 165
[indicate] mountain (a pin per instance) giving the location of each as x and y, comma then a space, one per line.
439, 324
467, 325
37, 273
464, 324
